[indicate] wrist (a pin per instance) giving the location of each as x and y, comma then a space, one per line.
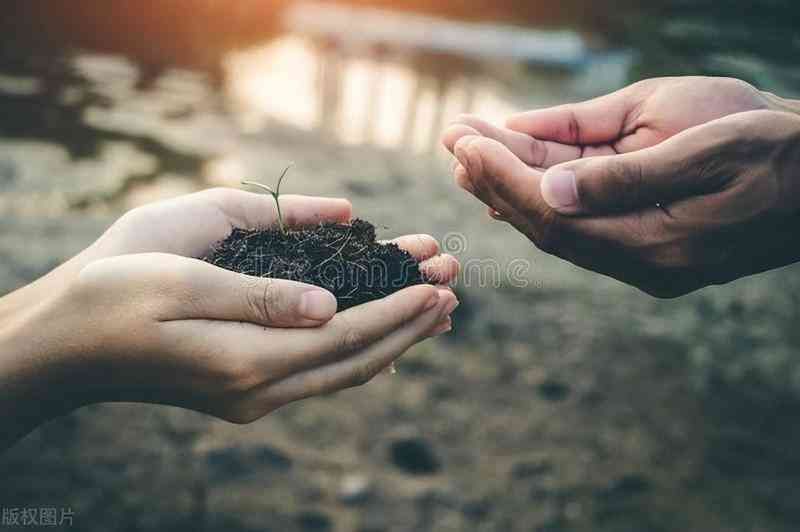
34, 373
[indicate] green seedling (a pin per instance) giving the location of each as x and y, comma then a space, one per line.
275, 193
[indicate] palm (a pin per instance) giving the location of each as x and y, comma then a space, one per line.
636, 117
670, 106
190, 225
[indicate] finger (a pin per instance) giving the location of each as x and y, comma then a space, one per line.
214, 212
454, 133
643, 137
266, 355
303, 211
472, 171
533, 152
421, 247
441, 269
656, 175
435, 268
495, 215
358, 327
504, 183
461, 177
251, 211
363, 366
657, 251
198, 290
597, 121
443, 327
275, 353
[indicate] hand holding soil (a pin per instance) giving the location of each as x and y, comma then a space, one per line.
343, 258
138, 317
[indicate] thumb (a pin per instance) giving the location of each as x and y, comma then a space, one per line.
618, 183
212, 293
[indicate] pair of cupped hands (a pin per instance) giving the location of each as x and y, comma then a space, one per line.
669, 185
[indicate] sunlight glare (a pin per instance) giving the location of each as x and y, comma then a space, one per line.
274, 81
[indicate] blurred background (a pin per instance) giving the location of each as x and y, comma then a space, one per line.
572, 403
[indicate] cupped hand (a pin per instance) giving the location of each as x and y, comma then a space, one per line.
709, 204
635, 117
138, 317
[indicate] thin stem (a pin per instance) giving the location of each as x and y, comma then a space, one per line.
275, 193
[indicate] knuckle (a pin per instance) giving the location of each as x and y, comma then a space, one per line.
626, 176
573, 128
263, 299
734, 86
91, 276
647, 236
538, 152
362, 375
239, 382
637, 231
351, 339
233, 374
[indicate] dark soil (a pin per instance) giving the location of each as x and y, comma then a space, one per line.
344, 259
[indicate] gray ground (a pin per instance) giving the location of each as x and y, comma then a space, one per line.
572, 403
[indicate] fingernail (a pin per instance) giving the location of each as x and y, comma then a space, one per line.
560, 188
431, 302
317, 305
450, 307
460, 150
495, 214
462, 178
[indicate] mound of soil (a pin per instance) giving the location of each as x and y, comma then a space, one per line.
342, 258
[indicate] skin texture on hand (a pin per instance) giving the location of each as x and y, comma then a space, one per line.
635, 117
138, 317
658, 186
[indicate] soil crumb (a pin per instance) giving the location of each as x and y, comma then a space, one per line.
342, 258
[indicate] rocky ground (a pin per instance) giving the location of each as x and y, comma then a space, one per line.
563, 403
